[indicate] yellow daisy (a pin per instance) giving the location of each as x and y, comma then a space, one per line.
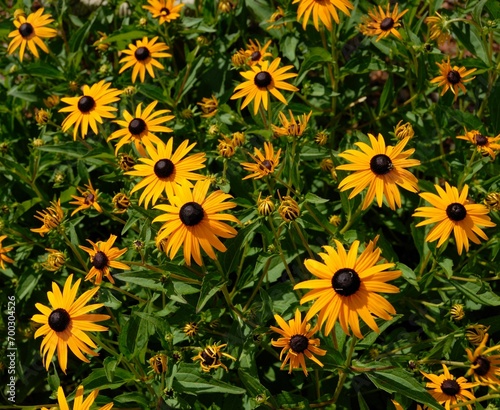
3, 251
164, 10
30, 32
447, 390
323, 10
88, 199
194, 220
485, 367
90, 108
51, 218
452, 78
438, 28
140, 128
382, 23
485, 145
79, 403
102, 257
277, 19
297, 342
264, 164
67, 322
209, 106
381, 169
142, 56
262, 80
256, 53
347, 287
292, 128
210, 357
166, 170
452, 212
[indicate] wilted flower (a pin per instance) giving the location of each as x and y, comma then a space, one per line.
41, 116
335, 220
158, 363
51, 218
238, 139
226, 148
51, 101
403, 131
438, 29
265, 206
190, 329
126, 162
289, 209
475, 333
121, 203
209, 106
457, 311
55, 260
492, 201
321, 138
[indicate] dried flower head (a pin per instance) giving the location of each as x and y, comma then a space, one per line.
51, 218
209, 106
492, 201
475, 333
55, 260
41, 116
190, 329
403, 131
226, 148
238, 139
210, 357
51, 101
457, 312
289, 209
158, 363
265, 206
321, 138
121, 203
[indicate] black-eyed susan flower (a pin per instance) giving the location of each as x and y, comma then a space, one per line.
323, 10
276, 19
55, 260
448, 390
289, 209
103, 257
265, 206
293, 127
438, 28
264, 164
485, 367
209, 106
457, 312
3, 251
475, 333
88, 199
29, 32
51, 218
121, 203
142, 56
403, 130
51, 101
382, 23
210, 357
164, 10
126, 162
226, 6
452, 78
78, 403
238, 139
256, 53
91, 108
262, 80
381, 169
492, 200
226, 147
139, 128
66, 324
321, 138
297, 342
453, 213
165, 170
190, 329
194, 219
335, 220
484, 144
159, 363
41, 116
347, 287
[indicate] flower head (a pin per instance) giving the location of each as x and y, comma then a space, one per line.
347, 287
210, 357
159, 363
447, 390
142, 56
276, 19
475, 333
256, 53
292, 128
3, 251
164, 10
457, 311
102, 257
66, 324
190, 329
209, 106
79, 403
51, 218
382, 23
226, 147
264, 164
193, 219
90, 108
262, 80
297, 342
29, 32
289, 209
55, 260
485, 367
484, 144
265, 206
452, 78
452, 212
403, 131
438, 28
121, 203
323, 10
88, 199
381, 169
492, 200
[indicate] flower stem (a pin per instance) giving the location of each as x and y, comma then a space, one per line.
343, 373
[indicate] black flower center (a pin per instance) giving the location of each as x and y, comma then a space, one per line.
207, 359
456, 212
164, 168
450, 387
453, 77
191, 214
481, 140
386, 24
142, 53
263, 79
484, 366
100, 260
86, 104
137, 126
299, 343
255, 56
26, 30
59, 320
346, 282
381, 164
267, 164
164, 11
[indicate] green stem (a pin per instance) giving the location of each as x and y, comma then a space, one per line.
303, 239
259, 284
277, 242
343, 373
75, 251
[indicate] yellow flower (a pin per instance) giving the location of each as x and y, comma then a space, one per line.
3, 251
121, 203
335, 220
438, 28
51, 101
41, 116
226, 148
292, 128
323, 10
238, 139
276, 19
289, 209
485, 145
159, 363
452, 78
210, 357
457, 311
55, 260
265, 206
190, 329
485, 367
51, 218
264, 164
256, 53
382, 24
78, 403
321, 138
88, 199
297, 342
403, 131
475, 333
209, 106
164, 10
492, 201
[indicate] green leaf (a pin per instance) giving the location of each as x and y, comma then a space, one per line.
22, 94
134, 336
210, 286
493, 7
315, 56
42, 70
470, 37
362, 402
494, 107
110, 364
189, 380
387, 95
447, 265
479, 293
146, 279
400, 381
315, 199
99, 380
408, 274
135, 398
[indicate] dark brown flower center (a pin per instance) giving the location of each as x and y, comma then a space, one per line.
255, 56
453, 77
137, 126
100, 260
191, 214
142, 53
481, 140
299, 343
86, 104
89, 198
164, 11
267, 164
263, 79
26, 30
59, 320
381, 164
450, 387
346, 282
386, 24
207, 358
456, 212
164, 168
484, 366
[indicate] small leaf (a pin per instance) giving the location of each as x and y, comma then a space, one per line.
99, 380
189, 380
210, 286
479, 293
